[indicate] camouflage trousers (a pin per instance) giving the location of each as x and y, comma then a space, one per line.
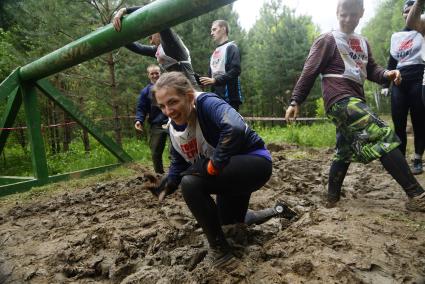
361, 135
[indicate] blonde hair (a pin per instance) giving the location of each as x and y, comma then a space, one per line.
175, 80
152, 66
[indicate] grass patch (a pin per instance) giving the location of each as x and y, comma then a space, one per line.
318, 135
17, 162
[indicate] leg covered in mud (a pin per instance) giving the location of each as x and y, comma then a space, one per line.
243, 175
281, 209
337, 173
363, 137
396, 165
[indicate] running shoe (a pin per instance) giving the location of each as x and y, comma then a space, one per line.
416, 203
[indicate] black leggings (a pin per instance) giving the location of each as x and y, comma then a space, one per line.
395, 164
243, 175
407, 97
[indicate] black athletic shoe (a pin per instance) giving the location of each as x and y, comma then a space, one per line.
332, 201
219, 258
417, 167
236, 234
416, 203
283, 210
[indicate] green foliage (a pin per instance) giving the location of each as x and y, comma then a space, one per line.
315, 135
17, 162
273, 53
8, 54
387, 20
278, 45
320, 108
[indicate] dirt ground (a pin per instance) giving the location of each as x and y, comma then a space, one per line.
116, 232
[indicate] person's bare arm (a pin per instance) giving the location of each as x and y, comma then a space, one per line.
414, 19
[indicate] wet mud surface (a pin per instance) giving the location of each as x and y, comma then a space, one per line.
116, 232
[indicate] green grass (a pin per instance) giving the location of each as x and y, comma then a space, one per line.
317, 135
17, 162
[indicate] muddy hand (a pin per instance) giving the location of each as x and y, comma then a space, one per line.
291, 113
394, 75
139, 126
165, 187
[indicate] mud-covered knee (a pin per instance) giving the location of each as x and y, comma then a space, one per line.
190, 185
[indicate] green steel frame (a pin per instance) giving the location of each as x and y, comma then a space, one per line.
20, 87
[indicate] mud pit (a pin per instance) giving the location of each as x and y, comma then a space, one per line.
116, 232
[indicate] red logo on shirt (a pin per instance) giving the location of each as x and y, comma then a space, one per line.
190, 149
405, 45
355, 44
217, 53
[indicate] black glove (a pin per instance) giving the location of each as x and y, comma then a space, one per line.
165, 187
199, 168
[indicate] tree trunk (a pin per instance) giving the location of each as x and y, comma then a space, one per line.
129, 119
20, 133
53, 118
53, 131
115, 99
66, 133
85, 136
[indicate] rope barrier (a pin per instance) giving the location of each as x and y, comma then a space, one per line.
65, 124
249, 118
253, 118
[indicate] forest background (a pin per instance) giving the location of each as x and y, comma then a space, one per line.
106, 88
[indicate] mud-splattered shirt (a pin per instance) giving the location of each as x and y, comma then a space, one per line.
224, 129
335, 55
406, 52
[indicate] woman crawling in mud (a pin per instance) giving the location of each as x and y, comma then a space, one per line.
213, 152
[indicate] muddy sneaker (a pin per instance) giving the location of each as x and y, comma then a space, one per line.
416, 203
236, 234
281, 209
417, 167
331, 202
218, 258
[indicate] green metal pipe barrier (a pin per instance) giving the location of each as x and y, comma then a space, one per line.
152, 18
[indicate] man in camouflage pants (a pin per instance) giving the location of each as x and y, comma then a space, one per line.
344, 61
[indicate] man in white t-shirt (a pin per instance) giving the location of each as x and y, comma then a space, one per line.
225, 66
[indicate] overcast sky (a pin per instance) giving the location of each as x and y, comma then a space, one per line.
322, 11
